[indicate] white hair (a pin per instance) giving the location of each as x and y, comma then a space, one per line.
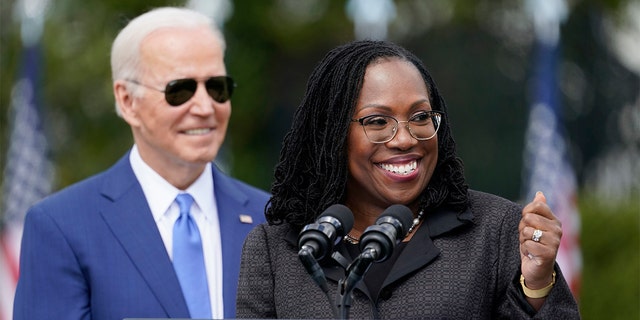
125, 50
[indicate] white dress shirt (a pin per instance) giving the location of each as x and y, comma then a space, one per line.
161, 195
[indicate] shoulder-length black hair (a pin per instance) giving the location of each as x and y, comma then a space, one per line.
311, 174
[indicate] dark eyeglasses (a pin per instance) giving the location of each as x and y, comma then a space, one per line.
382, 129
180, 91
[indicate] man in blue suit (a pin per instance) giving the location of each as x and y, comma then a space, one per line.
104, 248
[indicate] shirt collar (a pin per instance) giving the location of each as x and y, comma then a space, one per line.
161, 194
202, 192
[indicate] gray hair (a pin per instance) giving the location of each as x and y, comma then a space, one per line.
125, 50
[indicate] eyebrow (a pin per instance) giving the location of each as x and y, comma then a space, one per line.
414, 106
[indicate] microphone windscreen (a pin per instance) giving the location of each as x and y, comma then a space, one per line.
403, 214
342, 214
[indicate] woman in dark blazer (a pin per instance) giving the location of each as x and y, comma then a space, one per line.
373, 131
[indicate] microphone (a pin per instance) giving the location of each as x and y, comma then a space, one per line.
376, 245
391, 227
319, 238
316, 242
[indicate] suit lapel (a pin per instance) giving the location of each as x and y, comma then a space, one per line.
230, 202
132, 223
419, 252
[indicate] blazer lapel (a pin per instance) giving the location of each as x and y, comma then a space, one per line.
418, 253
132, 223
231, 203
421, 250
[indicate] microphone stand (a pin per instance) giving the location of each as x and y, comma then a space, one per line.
313, 268
377, 243
355, 273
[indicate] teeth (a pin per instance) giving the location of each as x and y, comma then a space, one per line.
401, 169
197, 131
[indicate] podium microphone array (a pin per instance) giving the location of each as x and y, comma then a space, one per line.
317, 242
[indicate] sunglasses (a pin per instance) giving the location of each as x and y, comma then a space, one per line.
180, 91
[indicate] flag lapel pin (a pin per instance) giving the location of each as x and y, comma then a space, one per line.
246, 218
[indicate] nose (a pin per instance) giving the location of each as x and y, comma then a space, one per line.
202, 103
403, 138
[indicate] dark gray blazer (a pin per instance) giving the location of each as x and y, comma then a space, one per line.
464, 266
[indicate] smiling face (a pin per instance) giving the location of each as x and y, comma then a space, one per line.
395, 172
177, 141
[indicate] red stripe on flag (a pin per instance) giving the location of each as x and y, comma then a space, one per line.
10, 257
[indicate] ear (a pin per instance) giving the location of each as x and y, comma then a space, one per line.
125, 102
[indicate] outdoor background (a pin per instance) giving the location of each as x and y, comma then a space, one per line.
480, 53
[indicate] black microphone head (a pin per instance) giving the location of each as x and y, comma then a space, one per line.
400, 212
342, 214
330, 227
379, 240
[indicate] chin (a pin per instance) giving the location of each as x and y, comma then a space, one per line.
199, 158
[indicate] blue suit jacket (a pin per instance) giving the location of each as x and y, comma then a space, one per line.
93, 250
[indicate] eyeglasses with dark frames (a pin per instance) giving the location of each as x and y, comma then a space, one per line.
422, 126
179, 91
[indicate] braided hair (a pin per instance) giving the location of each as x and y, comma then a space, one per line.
311, 174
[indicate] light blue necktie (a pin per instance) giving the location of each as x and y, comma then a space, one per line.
188, 261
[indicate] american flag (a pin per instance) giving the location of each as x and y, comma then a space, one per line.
546, 164
28, 174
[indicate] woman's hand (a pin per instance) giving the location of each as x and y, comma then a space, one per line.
540, 233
